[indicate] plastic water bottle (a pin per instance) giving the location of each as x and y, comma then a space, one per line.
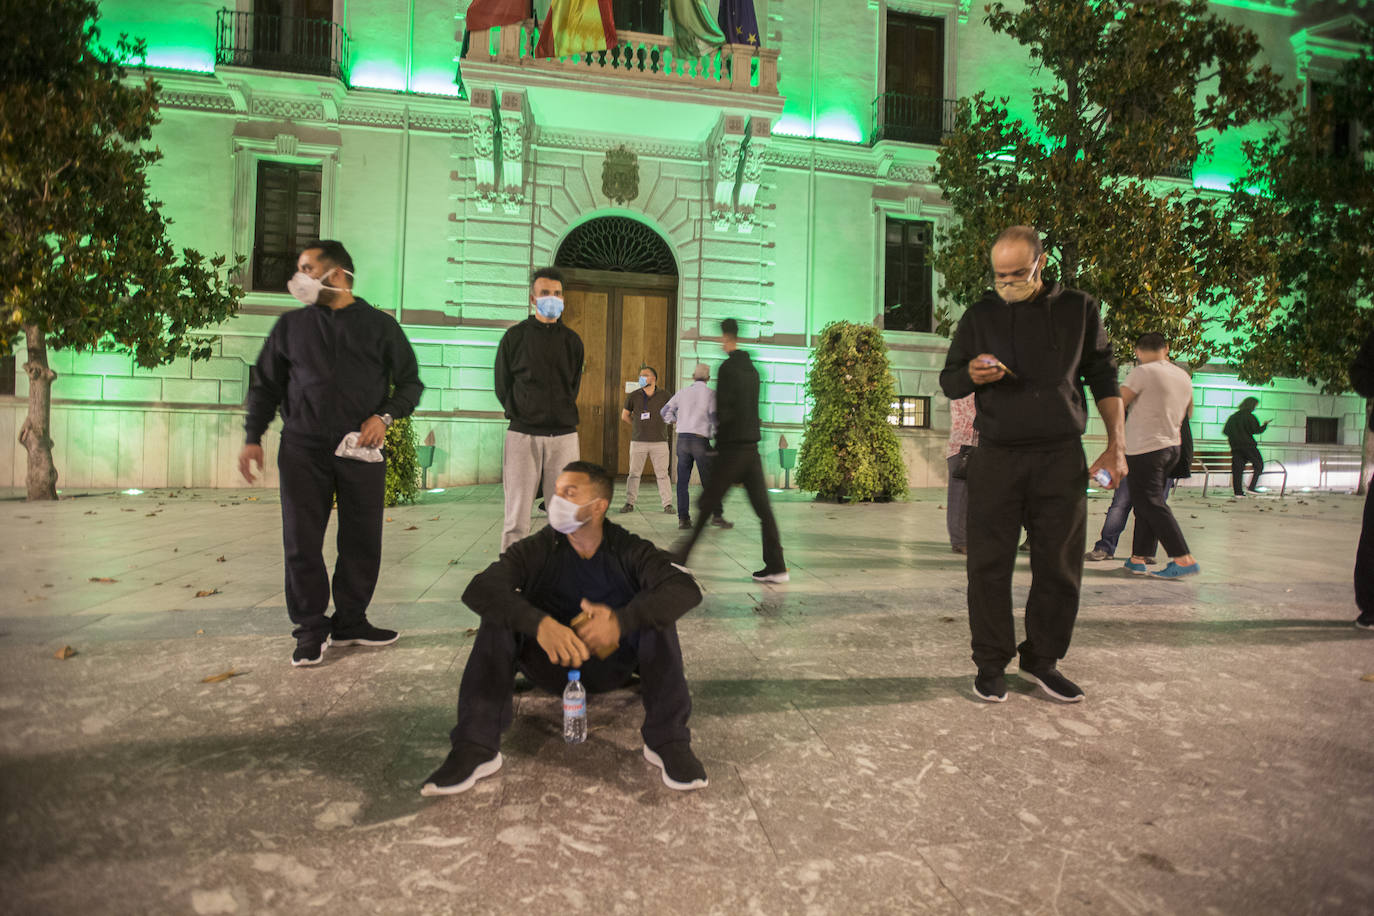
574, 709
1103, 477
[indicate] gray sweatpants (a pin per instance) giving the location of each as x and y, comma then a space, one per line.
525, 462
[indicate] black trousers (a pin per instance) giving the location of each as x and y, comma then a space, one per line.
732, 465
311, 480
1239, 455
1044, 490
1154, 520
485, 708
1364, 560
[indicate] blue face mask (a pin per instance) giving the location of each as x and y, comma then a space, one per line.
549, 306
643, 381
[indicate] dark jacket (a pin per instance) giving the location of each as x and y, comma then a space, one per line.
1241, 428
663, 593
1055, 344
329, 371
737, 401
1362, 372
538, 374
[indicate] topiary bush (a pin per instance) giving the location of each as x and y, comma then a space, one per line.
402, 470
850, 450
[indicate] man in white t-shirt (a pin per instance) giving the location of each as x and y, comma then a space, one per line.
1158, 395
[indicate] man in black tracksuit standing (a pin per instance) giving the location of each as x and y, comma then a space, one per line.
737, 444
337, 366
1026, 352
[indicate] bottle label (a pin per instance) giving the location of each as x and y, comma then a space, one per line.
574, 709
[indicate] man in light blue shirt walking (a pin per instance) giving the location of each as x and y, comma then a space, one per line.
693, 411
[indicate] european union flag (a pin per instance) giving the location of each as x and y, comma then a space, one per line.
738, 22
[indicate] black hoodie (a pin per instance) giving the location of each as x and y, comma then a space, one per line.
538, 374
1055, 344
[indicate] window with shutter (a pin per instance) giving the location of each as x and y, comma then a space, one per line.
288, 216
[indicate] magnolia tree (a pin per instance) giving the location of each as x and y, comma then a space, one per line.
1123, 92
85, 258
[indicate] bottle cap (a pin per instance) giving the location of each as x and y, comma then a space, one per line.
574, 675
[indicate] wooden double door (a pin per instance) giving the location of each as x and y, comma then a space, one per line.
626, 321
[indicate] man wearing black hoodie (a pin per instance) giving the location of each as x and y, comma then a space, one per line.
336, 367
538, 374
1026, 351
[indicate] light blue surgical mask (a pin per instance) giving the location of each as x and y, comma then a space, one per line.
643, 381
549, 306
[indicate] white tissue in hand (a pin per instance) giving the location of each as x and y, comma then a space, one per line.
349, 448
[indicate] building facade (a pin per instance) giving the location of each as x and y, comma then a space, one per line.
784, 180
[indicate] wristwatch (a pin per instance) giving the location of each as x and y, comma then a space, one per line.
386, 419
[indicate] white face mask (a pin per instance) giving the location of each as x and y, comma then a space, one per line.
563, 515
307, 288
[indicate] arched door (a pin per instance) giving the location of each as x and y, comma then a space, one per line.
620, 297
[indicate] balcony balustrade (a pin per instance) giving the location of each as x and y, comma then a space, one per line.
289, 44
911, 118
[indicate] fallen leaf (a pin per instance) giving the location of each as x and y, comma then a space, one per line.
176, 550
1368, 677
222, 676
946, 619
206, 594
390, 519
221, 560
453, 562
472, 631
64, 653
103, 579
89, 512
435, 519
413, 528
200, 632
149, 514
251, 499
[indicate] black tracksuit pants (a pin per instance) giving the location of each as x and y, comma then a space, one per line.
1364, 560
1045, 490
485, 707
1241, 453
311, 479
1154, 520
739, 464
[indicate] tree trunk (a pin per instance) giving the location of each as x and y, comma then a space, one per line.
35, 434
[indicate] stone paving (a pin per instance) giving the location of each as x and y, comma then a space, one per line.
1221, 763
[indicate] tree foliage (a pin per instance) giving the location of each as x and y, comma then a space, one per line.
85, 257
1309, 194
1129, 90
402, 464
850, 449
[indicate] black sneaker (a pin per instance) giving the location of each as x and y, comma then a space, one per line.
1365, 621
628, 507
684, 524
720, 522
668, 509
308, 652
364, 634
1054, 684
461, 769
772, 575
681, 768
991, 686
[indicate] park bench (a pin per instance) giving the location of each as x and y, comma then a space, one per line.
1217, 461
1336, 464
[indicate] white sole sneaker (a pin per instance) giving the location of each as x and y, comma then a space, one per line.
774, 577
307, 662
667, 780
1048, 692
483, 770
341, 643
988, 698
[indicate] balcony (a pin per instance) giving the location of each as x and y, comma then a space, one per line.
289, 44
910, 118
646, 60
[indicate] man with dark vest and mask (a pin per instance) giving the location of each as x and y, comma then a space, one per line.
1026, 351
341, 372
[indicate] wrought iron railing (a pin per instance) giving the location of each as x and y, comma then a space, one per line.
1181, 169
911, 118
288, 43
637, 56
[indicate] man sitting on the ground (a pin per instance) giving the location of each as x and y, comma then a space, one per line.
628, 595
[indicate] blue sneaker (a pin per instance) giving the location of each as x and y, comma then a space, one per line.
1174, 571
1140, 569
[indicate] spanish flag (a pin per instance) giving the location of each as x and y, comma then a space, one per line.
489, 14
576, 26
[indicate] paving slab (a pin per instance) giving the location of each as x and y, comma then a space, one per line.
1220, 764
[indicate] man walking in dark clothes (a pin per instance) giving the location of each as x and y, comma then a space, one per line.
1026, 351
737, 455
1240, 431
1362, 380
538, 374
580, 593
334, 368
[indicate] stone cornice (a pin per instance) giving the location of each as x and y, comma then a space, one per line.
599, 143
